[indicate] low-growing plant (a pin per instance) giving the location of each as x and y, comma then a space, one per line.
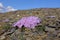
6, 26
40, 28
27, 22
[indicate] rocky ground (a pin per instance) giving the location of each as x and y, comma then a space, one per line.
49, 29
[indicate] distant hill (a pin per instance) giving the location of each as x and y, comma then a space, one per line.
36, 12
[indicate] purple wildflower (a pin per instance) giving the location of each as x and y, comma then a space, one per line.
29, 22
51, 16
6, 20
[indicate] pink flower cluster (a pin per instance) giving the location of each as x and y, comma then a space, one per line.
29, 22
6, 20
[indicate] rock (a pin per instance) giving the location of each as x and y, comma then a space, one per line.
58, 31
48, 38
7, 38
55, 33
2, 37
49, 29
2, 31
43, 36
58, 35
14, 37
58, 23
28, 38
36, 37
10, 31
41, 33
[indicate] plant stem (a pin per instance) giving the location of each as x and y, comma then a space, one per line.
22, 33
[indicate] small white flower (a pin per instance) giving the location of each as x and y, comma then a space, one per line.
18, 15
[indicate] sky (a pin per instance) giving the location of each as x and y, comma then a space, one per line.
12, 5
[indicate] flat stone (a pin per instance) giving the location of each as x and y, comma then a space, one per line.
49, 29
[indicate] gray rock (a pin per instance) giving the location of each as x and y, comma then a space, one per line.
49, 29
2, 37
